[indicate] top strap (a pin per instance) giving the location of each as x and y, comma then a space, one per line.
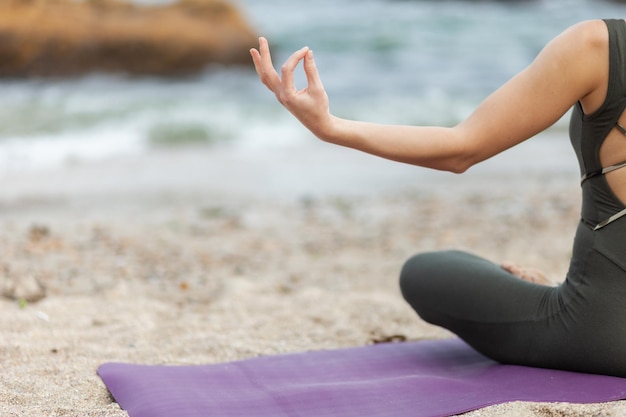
621, 128
611, 219
608, 169
602, 171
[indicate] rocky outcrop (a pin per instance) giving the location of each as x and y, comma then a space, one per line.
66, 37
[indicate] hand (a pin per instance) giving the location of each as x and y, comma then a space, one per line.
309, 105
527, 274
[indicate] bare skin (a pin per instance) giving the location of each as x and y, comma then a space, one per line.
533, 275
572, 68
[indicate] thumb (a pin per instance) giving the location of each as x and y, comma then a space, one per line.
310, 69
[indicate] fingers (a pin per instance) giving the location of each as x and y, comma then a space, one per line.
265, 69
509, 266
527, 274
283, 86
288, 68
263, 64
310, 69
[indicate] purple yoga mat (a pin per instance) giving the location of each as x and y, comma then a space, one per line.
413, 379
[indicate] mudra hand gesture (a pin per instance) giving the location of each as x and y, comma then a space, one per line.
310, 104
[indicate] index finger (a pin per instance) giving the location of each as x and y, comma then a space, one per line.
288, 68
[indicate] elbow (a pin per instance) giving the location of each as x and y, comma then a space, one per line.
460, 162
447, 164
458, 165
458, 169
464, 155
464, 163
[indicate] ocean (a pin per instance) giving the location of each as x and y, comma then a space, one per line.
391, 61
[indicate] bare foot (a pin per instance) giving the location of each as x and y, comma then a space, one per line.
527, 274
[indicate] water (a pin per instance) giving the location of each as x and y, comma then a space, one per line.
392, 61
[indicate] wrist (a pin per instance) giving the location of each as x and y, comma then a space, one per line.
328, 131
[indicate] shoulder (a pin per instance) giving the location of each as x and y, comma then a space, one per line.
592, 32
580, 51
580, 42
587, 35
581, 48
582, 54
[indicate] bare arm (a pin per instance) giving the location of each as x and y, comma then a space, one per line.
570, 68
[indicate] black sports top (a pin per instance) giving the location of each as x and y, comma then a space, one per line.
600, 205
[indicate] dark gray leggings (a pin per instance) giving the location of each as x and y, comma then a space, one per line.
579, 326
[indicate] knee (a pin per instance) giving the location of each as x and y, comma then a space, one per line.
426, 277
416, 272
408, 275
416, 283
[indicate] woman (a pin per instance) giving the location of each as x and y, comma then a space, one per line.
579, 325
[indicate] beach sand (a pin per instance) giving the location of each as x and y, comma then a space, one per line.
205, 256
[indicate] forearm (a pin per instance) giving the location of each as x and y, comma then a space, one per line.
431, 147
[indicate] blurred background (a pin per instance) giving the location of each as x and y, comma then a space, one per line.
391, 61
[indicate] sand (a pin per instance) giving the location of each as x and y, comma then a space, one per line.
205, 256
